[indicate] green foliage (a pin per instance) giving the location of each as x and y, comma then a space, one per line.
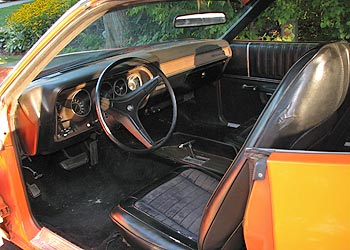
314, 20
25, 26
334, 19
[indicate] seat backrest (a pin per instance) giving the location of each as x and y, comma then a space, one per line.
302, 108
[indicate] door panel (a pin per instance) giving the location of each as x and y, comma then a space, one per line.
310, 201
266, 60
253, 73
273, 60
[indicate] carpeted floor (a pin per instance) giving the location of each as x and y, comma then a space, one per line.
76, 204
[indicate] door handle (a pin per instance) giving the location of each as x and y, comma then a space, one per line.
245, 86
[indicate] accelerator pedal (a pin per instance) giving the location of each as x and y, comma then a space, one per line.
73, 162
93, 151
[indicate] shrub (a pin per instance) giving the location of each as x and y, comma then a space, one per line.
25, 26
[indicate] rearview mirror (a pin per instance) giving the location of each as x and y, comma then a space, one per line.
200, 19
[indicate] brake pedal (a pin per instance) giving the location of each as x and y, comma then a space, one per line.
34, 190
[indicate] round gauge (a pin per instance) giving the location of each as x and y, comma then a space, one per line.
81, 103
134, 81
120, 87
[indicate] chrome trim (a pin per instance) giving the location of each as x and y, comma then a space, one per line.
248, 61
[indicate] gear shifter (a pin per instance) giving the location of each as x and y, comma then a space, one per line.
192, 158
189, 145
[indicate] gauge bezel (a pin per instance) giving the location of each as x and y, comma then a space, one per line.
88, 98
125, 85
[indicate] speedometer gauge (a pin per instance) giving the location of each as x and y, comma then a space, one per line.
81, 103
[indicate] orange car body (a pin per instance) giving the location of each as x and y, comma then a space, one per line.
304, 201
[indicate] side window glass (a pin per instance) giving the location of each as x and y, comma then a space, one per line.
92, 38
303, 21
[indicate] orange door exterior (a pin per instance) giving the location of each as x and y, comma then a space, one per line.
18, 223
303, 202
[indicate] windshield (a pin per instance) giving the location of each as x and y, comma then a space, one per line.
153, 23
143, 25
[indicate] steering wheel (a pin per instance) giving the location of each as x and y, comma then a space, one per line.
114, 110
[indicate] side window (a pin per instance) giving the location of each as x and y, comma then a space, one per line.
92, 38
303, 21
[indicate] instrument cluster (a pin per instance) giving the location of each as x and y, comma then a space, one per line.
74, 106
118, 85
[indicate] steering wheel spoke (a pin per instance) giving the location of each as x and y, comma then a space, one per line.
135, 127
131, 121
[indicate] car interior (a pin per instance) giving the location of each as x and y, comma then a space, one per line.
76, 176
147, 149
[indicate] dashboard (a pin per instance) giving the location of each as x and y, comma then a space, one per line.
58, 110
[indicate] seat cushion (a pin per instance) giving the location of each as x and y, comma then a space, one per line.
179, 203
176, 204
